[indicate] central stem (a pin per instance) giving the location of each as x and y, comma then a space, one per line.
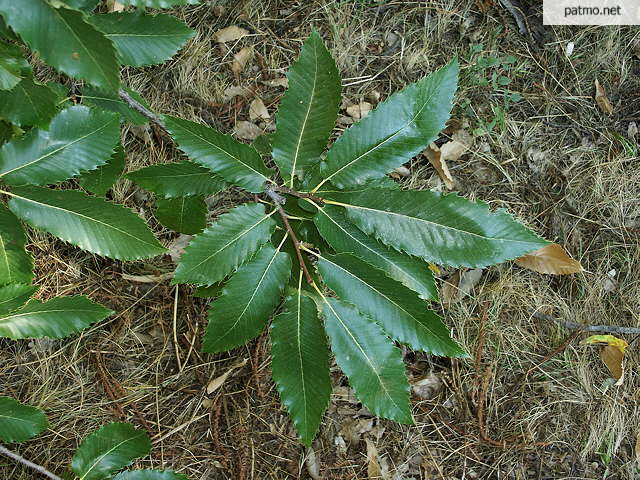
278, 201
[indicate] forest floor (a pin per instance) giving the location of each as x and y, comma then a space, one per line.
530, 403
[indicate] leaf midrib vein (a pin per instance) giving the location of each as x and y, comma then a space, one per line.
253, 295
378, 145
307, 113
99, 459
375, 372
63, 147
393, 302
88, 51
440, 225
46, 205
233, 240
224, 151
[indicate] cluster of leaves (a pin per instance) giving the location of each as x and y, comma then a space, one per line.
99, 456
369, 240
46, 138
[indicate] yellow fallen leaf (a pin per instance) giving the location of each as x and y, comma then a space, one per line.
435, 157
551, 259
602, 100
257, 109
217, 382
240, 60
612, 354
434, 268
230, 34
612, 340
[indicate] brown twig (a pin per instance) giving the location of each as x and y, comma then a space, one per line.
588, 328
278, 200
290, 191
14, 456
138, 107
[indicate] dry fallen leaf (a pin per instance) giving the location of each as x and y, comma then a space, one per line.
240, 60
373, 465
552, 260
453, 150
235, 91
217, 382
612, 358
612, 354
247, 130
147, 278
459, 285
257, 110
359, 111
114, 6
434, 155
177, 246
312, 464
230, 34
427, 387
602, 100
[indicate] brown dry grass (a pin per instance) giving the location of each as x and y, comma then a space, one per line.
557, 162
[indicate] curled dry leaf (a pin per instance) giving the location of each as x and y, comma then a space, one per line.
230, 34
217, 382
359, 111
612, 353
240, 60
602, 100
434, 155
551, 259
257, 110
247, 130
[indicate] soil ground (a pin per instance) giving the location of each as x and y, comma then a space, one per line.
531, 403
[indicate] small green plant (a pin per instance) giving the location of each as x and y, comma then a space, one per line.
345, 245
99, 456
496, 73
46, 139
